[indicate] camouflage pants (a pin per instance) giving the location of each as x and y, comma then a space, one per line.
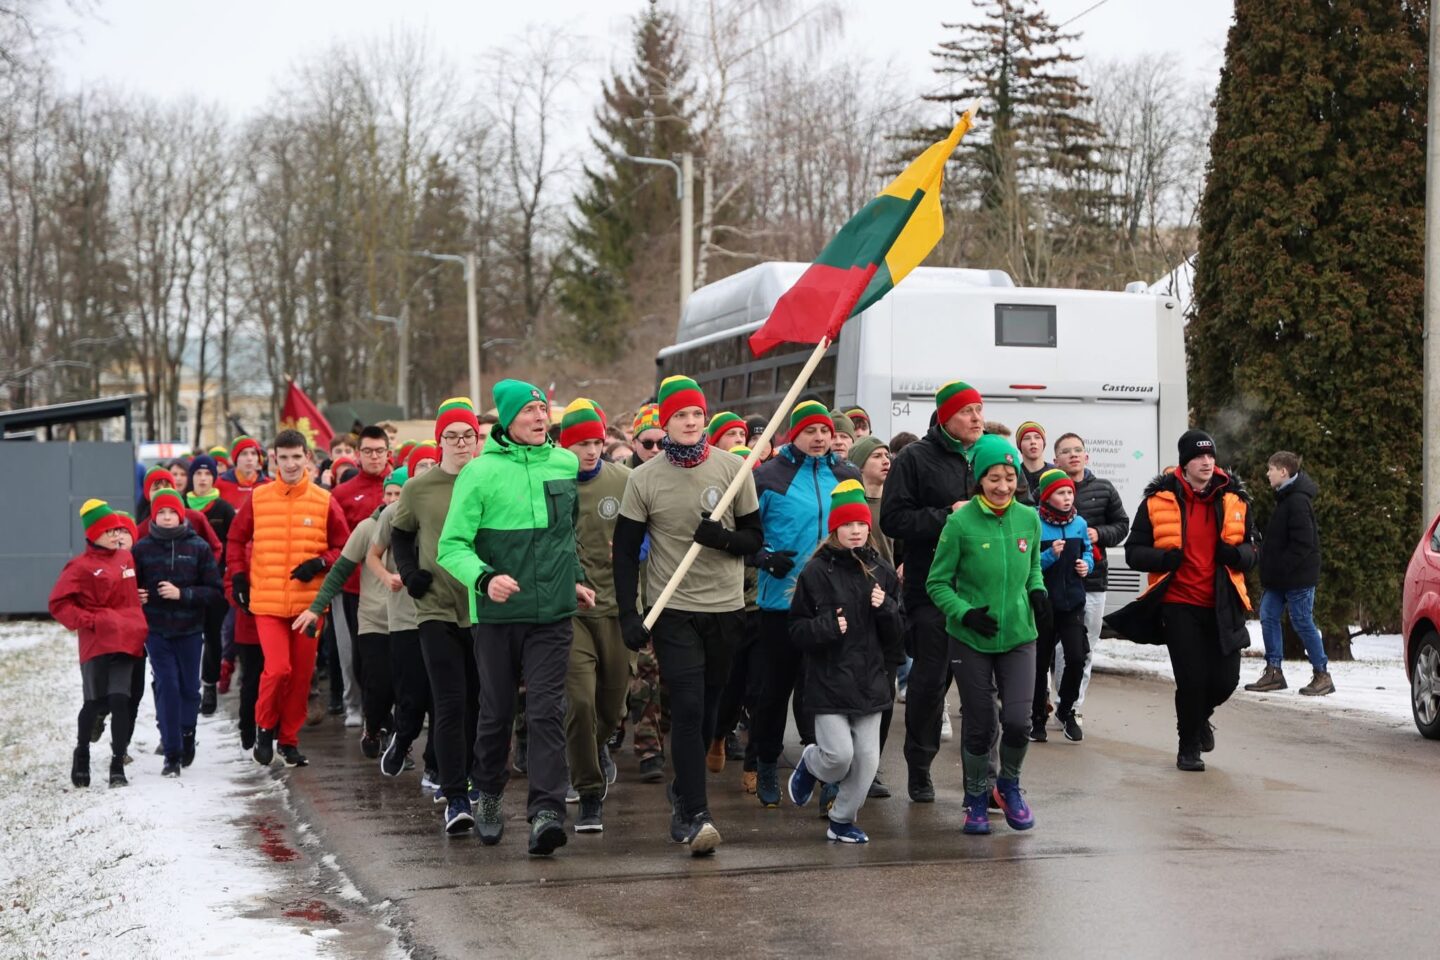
648, 707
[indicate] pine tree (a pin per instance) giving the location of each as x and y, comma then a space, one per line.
627, 214
1309, 282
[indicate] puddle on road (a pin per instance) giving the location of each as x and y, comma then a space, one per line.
315, 911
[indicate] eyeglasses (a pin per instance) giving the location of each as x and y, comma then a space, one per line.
373, 451
649, 444
455, 439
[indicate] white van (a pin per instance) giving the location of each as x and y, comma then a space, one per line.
1109, 366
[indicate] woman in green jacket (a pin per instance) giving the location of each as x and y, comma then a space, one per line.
986, 580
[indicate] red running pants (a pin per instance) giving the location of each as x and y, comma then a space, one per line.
285, 682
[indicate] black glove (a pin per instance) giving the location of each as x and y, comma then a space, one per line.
1229, 554
240, 590
418, 583
779, 564
1171, 560
711, 534
308, 570
1044, 616
979, 620
632, 630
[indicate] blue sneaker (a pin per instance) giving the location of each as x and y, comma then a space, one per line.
828, 793
977, 813
438, 796
846, 833
767, 784
458, 818
472, 792
802, 784
1012, 801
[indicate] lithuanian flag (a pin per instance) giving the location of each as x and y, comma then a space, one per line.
874, 251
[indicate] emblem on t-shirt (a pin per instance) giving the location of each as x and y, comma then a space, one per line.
710, 497
608, 508
1023, 544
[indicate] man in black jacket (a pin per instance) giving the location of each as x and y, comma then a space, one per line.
1289, 573
1096, 500
928, 480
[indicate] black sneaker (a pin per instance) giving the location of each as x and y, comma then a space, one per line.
1037, 732
1073, 730
336, 710
703, 838
878, 790
617, 739
171, 767
652, 769
187, 748
80, 767
293, 757
1188, 759
369, 744
117, 772
1207, 737
921, 789
264, 752
207, 699
547, 834
392, 761
679, 822
489, 823
592, 814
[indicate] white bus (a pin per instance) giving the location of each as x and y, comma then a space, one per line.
1109, 366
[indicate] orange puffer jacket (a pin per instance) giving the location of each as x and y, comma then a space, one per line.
288, 524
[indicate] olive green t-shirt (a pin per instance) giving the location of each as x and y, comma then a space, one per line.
422, 506
400, 606
668, 500
373, 616
599, 509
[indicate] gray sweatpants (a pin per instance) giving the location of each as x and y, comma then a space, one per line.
846, 751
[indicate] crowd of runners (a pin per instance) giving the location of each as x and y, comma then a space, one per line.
476, 603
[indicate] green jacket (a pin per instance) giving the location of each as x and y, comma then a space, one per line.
983, 560
514, 512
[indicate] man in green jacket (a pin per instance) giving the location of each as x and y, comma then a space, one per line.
510, 537
599, 676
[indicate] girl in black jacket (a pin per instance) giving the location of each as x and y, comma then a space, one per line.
845, 618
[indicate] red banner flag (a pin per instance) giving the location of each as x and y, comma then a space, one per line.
300, 413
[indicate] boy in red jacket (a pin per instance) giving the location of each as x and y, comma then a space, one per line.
98, 597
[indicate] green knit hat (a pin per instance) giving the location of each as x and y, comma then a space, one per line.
843, 424
1050, 481
954, 397
722, 423
863, 448
992, 450
675, 394
805, 413
583, 420
510, 398
847, 504
397, 477
97, 516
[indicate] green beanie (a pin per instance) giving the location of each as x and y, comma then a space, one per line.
510, 398
993, 449
397, 477
843, 424
863, 448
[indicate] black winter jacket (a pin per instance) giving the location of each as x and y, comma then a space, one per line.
186, 561
1290, 553
1098, 502
845, 673
926, 478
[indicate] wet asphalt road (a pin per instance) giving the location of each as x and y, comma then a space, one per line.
1308, 836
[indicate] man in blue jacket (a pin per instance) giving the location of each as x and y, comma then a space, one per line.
794, 490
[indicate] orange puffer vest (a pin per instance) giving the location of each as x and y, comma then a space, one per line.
290, 528
1165, 522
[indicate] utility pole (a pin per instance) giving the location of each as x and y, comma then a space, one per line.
472, 316
1430, 443
685, 194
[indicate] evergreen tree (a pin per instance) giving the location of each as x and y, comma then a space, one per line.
627, 214
1309, 282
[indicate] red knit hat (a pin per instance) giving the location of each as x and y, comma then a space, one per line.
455, 410
583, 420
847, 505
677, 393
339, 462
242, 444
166, 497
153, 476
128, 522
954, 397
805, 413
421, 451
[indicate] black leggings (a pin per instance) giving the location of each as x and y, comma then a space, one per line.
742, 689
412, 692
449, 652
252, 664
210, 655
122, 722
1069, 632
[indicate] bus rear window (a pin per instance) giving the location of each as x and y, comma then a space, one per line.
1024, 325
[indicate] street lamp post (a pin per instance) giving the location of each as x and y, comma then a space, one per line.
685, 193
472, 315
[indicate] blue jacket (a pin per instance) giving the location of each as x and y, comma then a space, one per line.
794, 490
187, 562
1065, 586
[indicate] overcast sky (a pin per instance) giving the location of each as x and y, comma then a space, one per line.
233, 53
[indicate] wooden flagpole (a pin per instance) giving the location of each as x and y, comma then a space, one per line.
734, 488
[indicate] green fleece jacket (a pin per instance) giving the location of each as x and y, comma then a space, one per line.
984, 560
514, 511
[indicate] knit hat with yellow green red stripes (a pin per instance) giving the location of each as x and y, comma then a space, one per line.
722, 423
456, 410
153, 476
677, 393
98, 517
808, 412
954, 397
582, 420
847, 505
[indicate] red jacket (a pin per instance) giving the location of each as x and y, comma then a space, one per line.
359, 497
98, 596
234, 491
199, 524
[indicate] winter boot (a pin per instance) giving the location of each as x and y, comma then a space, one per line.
767, 784
878, 790
1320, 685
171, 767
1272, 679
80, 767
207, 699
547, 834
187, 748
977, 813
117, 772
1205, 739
1188, 759
715, 758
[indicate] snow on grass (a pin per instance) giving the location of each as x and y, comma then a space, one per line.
1374, 683
158, 868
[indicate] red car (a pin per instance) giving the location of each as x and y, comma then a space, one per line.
1421, 622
